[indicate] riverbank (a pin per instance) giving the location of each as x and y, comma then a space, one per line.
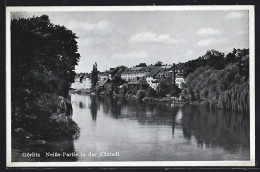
80, 91
171, 100
52, 122
168, 99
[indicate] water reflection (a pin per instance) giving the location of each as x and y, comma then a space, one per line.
81, 105
143, 131
177, 120
93, 107
210, 128
216, 128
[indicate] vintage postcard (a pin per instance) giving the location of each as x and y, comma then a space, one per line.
130, 86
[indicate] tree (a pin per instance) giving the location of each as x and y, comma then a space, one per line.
44, 52
140, 94
43, 56
141, 65
221, 87
174, 91
116, 82
243, 62
231, 57
215, 59
163, 89
94, 75
150, 92
159, 63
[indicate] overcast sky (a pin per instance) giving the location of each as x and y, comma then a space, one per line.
129, 38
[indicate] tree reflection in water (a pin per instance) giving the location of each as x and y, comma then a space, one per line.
216, 128
93, 107
210, 127
207, 127
81, 105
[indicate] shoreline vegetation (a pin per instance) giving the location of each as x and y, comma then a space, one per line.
213, 80
44, 56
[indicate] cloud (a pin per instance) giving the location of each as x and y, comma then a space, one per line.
131, 55
17, 15
208, 31
242, 32
87, 41
101, 27
234, 15
211, 41
188, 53
154, 38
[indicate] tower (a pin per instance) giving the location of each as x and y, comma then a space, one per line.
173, 74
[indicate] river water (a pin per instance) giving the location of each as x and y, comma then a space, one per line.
141, 131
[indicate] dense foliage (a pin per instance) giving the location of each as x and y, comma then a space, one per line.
141, 65
219, 80
166, 88
116, 82
43, 58
94, 76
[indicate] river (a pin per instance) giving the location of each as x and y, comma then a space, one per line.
140, 131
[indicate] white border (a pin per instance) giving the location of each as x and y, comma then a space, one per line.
251, 162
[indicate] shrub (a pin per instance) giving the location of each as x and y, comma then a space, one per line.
150, 92
98, 90
123, 91
140, 94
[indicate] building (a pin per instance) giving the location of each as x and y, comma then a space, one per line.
105, 84
137, 72
164, 74
82, 81
111, 73
132, 73
153, 83
137, 83
179, 79
118, 71
104, 75
166, 67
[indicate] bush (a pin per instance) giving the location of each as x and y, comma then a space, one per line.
123, 91
98, 90
150, 92
140, 94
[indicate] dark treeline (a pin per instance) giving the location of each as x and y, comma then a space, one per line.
43, 57
219, 80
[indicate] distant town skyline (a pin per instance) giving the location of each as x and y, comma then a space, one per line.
114, 38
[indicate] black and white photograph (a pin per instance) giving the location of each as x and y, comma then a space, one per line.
130, 86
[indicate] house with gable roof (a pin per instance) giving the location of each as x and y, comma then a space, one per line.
81, 81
